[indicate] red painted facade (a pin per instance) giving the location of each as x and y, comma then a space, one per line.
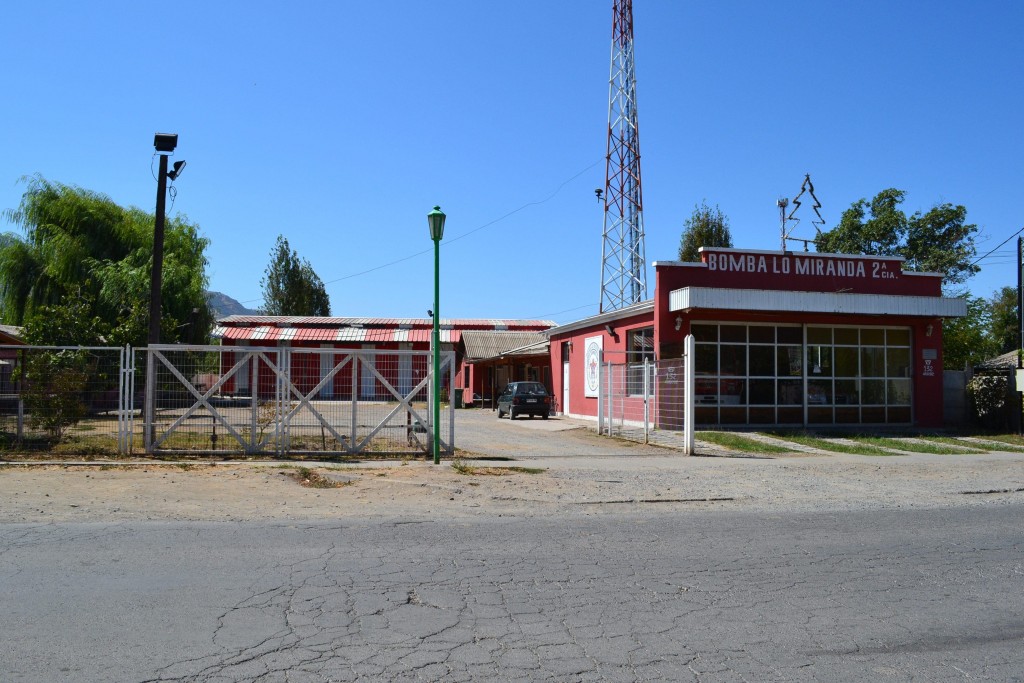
350, 334
730, 269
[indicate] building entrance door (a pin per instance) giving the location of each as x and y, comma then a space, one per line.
565, 388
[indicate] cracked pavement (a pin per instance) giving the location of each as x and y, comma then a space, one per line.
926, 595
804, 568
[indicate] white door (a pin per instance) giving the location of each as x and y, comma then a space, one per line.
565, 388
368, 385
326, 365
242, 376
405, 369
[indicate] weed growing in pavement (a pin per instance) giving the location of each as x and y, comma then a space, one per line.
468, 470
462, 468
313, 479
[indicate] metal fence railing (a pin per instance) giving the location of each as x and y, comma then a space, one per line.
261, 401
649, 401
220, 400
63, 399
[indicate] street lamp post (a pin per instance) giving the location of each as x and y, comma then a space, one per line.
435, 219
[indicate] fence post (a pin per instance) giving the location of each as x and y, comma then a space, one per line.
21, 418
451, 403
647, 403
357, 367
122, 404
688, 397
602, 380
149, 421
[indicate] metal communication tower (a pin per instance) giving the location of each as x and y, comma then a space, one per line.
623, 266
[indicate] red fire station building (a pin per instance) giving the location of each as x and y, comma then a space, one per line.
374, 334
781, 338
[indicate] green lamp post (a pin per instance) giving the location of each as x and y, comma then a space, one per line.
435, 219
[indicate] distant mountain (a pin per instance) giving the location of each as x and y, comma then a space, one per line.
223, 305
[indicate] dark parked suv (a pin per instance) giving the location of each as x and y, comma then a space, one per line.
524, 398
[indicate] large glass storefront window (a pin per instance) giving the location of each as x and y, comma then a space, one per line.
786, 374
639, 347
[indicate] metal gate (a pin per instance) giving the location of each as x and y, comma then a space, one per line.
648, 401
278, 401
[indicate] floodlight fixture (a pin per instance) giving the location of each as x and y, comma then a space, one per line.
165, 142
179, 166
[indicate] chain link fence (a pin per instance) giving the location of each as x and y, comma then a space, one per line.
647, 401
201, 400
63, 399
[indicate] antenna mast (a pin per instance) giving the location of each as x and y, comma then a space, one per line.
807, 187
623, 265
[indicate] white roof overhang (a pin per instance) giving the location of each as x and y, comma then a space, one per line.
689, 298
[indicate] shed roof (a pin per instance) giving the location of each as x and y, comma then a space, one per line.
12, 334
1007, 361
481, 345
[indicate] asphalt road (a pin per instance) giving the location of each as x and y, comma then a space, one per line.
881, 595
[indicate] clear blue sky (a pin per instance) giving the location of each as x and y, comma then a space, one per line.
340, 124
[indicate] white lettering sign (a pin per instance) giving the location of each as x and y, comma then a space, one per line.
801, 265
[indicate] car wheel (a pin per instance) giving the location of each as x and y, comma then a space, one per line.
531, 416
545, 416
511, 413
500, 414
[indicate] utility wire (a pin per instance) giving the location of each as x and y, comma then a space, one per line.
463, 235
997, 246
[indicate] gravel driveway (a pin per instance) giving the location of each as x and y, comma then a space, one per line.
564, 469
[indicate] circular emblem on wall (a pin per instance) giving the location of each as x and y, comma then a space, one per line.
593, 361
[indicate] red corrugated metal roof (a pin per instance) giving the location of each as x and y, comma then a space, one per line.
267, 330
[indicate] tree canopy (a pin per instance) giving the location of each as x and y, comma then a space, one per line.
75, 243
1005, 326
938, 241
706, 227
291, 286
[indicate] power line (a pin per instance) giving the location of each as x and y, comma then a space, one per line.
997, 246
465, 234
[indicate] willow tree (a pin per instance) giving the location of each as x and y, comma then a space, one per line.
70, 238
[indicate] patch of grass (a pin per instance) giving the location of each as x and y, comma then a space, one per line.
975, 445
314, 480
185, 466
738, 442
1009, 439
914, 446
827, 445
468, 470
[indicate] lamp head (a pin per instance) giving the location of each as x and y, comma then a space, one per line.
179, 166
435, 220
165, 142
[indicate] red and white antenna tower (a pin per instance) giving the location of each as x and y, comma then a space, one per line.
623, 266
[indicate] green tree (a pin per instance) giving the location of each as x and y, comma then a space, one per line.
290, 285
938, 241
55, 380
72, 236
706, 227
1005, 326
968, 340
